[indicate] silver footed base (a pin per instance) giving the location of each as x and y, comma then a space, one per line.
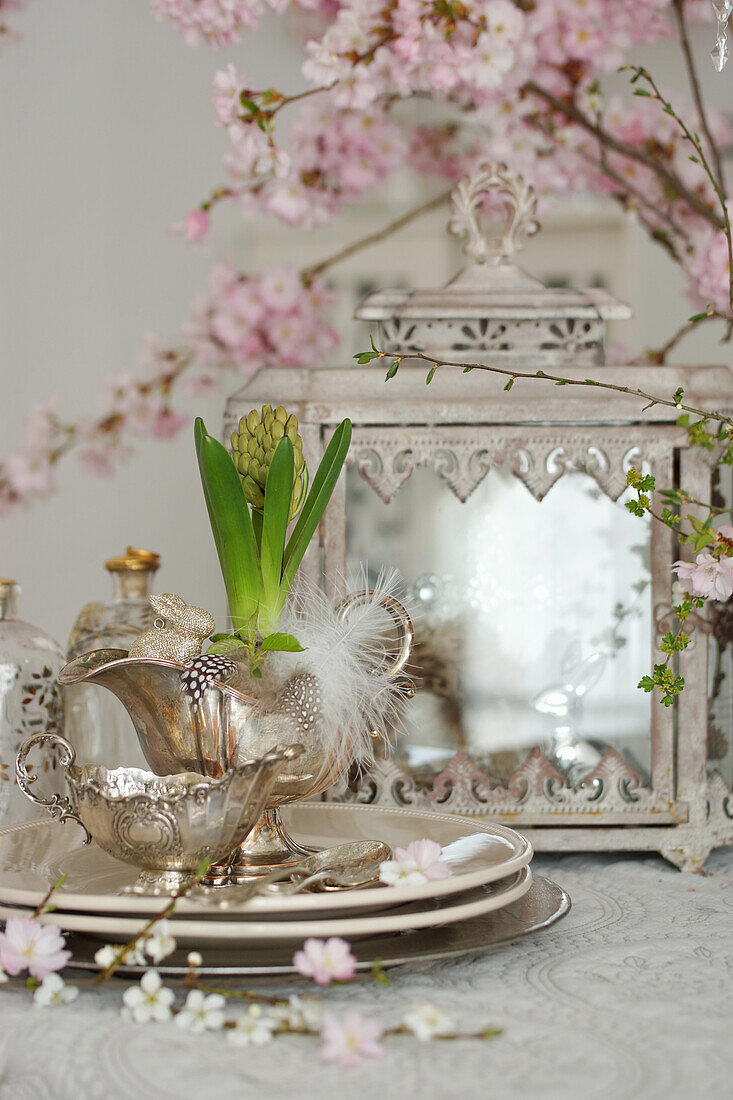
269, 847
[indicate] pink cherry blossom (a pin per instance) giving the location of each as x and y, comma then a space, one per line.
708, 576
325, 961
349, 1039
194, 227
26, 944
250, 322
228, 87
28, 472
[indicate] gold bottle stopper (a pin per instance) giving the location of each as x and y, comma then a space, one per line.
134, 561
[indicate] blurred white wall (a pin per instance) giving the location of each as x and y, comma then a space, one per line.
106, 137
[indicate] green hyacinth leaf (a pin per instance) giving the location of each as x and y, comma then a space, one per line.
278, 493
231, 525
322, 489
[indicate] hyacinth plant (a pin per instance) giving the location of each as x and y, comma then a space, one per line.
253, 492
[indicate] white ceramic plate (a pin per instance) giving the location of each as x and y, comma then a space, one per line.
542, 905
421, 914
35, 854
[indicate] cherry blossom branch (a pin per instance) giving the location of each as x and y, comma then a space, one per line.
43, 906
666, 175
559, 380
166, 912
658, 356
681, 21
627, 189
375, 238
640, 73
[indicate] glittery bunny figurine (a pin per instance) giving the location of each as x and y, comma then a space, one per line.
177, 634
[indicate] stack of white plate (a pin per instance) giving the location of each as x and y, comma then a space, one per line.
490, 873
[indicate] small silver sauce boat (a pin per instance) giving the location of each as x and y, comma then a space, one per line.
226, 727
164, 825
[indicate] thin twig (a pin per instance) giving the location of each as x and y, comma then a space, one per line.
696, 144
668, 177
679, 12
659, 355
507, 372
628, 188
374, 238
125, 950
43, 904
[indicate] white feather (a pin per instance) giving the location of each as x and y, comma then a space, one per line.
348, 657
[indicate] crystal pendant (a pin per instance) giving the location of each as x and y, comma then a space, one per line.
30, 702
719, 53
96, 723
722, 9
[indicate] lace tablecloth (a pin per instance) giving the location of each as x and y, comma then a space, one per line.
629, 996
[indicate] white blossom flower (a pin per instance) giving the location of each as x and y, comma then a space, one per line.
426, 1020
159, 944
253, 1028
194, 959
150, 1000
53, 990
300, 1012
202, 1012
106, 955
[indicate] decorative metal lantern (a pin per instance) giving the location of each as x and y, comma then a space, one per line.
539, 600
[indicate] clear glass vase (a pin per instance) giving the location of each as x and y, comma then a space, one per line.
96, 723
30, 702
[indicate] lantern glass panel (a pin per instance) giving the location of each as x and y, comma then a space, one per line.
533, 619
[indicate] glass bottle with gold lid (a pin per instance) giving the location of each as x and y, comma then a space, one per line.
96, 723
30, 702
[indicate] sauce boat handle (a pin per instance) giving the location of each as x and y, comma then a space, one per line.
58, 806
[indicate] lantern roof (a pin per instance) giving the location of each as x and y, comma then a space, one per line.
493, 309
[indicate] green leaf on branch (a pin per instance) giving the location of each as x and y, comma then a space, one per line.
674, 643
394, 367
367, 356
431, 375
221, 644
643, 482
379, 974
281, 643
666, 680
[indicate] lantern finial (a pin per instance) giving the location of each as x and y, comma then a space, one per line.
466, 200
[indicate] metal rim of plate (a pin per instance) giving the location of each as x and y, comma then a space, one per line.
542, 906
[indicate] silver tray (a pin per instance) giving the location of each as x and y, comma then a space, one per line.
543, 905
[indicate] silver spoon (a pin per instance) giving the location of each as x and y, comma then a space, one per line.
346, 866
